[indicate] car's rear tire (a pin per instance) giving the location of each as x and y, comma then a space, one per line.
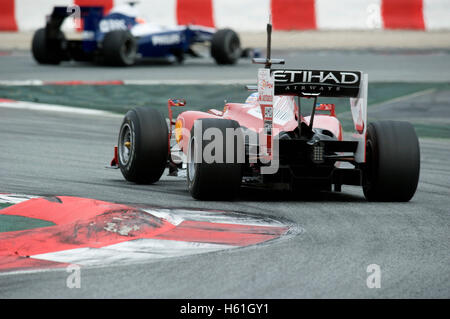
144, 159
226, 47
217, 178
392, 162
47, 51
119, 48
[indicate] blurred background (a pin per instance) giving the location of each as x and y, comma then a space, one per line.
342, 24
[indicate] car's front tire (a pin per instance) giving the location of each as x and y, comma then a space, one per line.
143, 145
226, 47
392, 162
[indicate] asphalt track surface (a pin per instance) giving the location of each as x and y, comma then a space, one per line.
381, 65
47, 153
65, 154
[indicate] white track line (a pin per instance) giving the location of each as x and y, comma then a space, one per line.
21, 82
406, 97
176, 216
191, 82
136, 82
55, 108
130, 251
14, 198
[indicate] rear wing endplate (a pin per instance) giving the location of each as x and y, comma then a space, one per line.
358, 106
89, 15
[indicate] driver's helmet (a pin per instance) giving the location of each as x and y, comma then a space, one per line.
252, 98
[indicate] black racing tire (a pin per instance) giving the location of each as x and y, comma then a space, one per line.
145, 159
47, 51
226, 47
392, 164
119, 48
211, 179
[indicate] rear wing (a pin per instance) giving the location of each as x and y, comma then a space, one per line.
326, 83
316, 84
88, 16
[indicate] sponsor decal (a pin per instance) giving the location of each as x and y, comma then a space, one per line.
324, 83
88, 35
265, 99
108, 25
166, 39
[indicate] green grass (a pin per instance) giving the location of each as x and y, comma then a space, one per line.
4, 205
15, 223
435, 130
121, 98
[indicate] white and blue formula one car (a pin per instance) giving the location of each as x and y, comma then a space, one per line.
121, 38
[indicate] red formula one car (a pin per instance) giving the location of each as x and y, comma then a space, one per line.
268, 142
